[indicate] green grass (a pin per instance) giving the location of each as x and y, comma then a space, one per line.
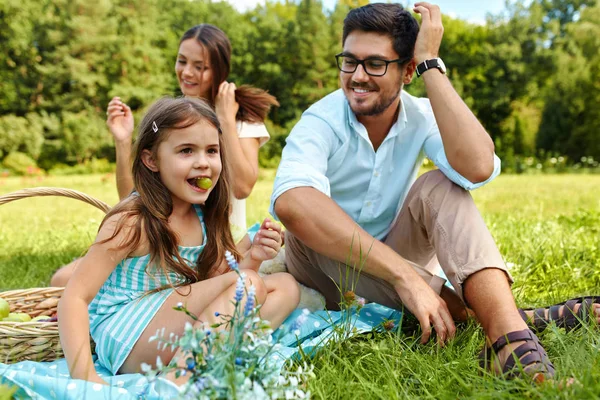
547, 226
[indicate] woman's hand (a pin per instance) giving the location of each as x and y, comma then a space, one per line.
225, 105
267, 241
119, 120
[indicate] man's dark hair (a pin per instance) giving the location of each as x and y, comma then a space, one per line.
389, 19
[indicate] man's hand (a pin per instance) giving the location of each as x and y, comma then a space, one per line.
429, 308
430, 35
119, 120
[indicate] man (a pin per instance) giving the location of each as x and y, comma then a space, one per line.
343, 189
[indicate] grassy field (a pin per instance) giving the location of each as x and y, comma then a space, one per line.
547, 227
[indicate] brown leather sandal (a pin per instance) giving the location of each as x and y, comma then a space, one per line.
568, 320
528, 359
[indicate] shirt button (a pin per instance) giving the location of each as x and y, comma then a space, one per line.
376, 173
368, 204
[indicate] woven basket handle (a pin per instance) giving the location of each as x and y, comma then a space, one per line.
52, 191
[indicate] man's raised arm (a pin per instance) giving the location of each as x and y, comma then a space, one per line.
468, 147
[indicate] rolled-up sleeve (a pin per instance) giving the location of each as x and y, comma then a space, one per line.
304, 159
434, 149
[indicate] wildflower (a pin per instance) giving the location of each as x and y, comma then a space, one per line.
201, 384
250, 300
246, 340
145, 368
349, 296
360, 301
389, 325
233, 264
190, 364
239, 290
179, 306
300, 321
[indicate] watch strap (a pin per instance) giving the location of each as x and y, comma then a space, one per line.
427, 65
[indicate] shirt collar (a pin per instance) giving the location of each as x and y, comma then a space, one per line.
398, 126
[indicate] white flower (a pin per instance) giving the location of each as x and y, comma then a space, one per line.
145, 368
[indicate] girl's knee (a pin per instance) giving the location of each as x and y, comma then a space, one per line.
60, 278
288, 285
253, 279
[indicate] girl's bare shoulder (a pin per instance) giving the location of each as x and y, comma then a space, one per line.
124, 227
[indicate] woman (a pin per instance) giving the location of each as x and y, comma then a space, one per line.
202, 66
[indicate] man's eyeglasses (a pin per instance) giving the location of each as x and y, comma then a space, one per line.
372, 66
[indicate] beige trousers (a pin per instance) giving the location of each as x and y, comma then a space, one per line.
438, 222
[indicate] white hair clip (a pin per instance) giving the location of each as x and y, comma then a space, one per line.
154, 126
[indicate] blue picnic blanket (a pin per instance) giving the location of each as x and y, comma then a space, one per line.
51, 380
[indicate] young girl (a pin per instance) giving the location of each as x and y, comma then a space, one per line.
162, 245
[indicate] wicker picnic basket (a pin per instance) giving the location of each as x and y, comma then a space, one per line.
37, 341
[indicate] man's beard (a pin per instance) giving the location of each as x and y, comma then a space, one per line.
379, 107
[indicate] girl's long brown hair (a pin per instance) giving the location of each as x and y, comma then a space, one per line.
150, 210
254, 103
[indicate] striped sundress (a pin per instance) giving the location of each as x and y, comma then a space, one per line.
120, 312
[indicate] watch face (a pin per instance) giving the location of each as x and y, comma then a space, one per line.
441, 65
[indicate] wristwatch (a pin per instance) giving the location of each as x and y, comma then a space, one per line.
432, 63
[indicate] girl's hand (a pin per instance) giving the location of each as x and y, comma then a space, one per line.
225, 105
267, 241
119, 120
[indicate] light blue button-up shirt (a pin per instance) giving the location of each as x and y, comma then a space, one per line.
330, 150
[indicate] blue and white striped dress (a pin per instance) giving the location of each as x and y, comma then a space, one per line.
120, 312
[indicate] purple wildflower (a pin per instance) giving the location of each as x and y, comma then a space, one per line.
239, 289
201, 384
233, 264
360, 301
250, 300
300, 320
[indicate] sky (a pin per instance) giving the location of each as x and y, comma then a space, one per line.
470, 10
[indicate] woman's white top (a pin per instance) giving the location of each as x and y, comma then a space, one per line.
238, 214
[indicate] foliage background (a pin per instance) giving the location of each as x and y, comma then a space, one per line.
531, 74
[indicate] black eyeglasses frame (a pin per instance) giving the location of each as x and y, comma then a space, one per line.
362, 62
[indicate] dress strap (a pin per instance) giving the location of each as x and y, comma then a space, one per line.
201, 218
